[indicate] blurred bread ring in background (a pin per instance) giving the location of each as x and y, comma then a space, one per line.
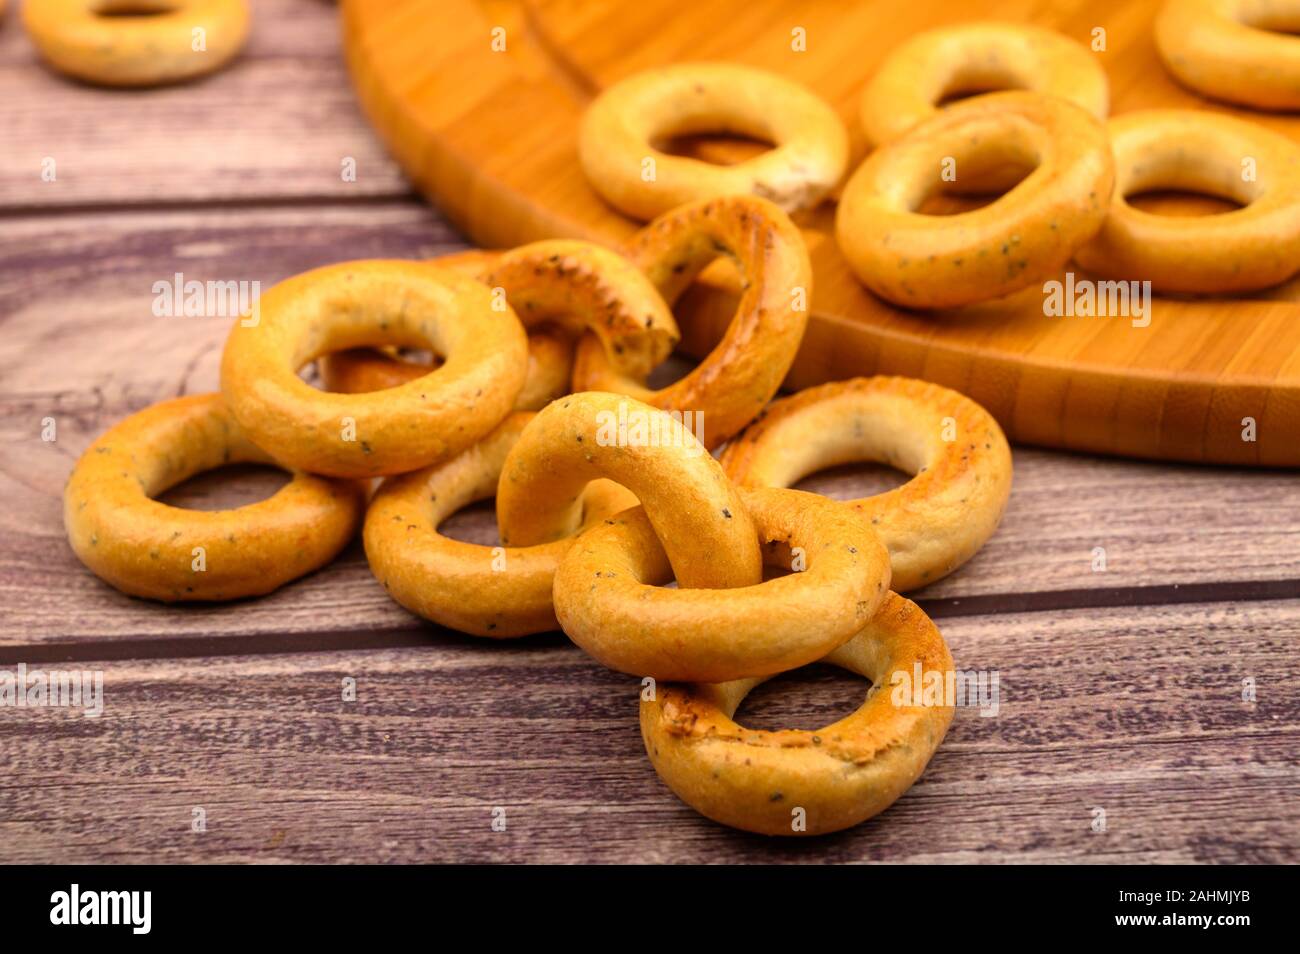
490, 591
697, 513
981, 56
137, 42
1019, 239
611, 601
954, 448
1237, 51
1245, 249
622, 129
147, 548
745, 369
350, 304
793, 782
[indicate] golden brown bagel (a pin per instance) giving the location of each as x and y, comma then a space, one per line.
616, 141
343, 306
174, 40
488, 591
695, 510
610, 598
146, 548
740, 375
962, 465
1196, 151
1238, 51
1020, 239
828, 779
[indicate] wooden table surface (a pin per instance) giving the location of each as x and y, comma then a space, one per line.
1121, 689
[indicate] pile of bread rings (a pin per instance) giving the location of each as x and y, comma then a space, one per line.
604, 495
1043, 142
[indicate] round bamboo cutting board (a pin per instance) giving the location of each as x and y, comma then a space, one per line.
480, 102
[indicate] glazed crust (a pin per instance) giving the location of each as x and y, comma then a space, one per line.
404, 428
1019, 239
694, 509
146, 548
1197, 151
1238, 51
984, 56
486, 591
76, 39
933, 523
621, 126
839, 775
610, 598
742, 373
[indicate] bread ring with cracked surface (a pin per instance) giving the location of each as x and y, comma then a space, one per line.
933, 523
610, 598
147, 548
489, 591
360, 303
709, 536
1021, 238
617, 140
838, 775
745, 369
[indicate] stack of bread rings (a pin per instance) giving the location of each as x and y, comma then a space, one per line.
605, 490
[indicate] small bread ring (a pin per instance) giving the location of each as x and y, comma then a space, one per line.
610, 598
137, 42
739, 376
550, 365
367, 302
1021, 238
933, 523
146, 548
1238, 51
488, 591
697, 513
620, 130
839, 775
1242, 250
979, 56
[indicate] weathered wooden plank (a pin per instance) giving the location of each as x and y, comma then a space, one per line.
276, 123
1136, 713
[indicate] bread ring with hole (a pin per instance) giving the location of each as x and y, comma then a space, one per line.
489, 591
621, 129
960, 458
1236, 51
697, 513
742, 373
792, 782
1021, 238
137, 42
610, 598
981, 56
1249, 248
350, 304
147, 548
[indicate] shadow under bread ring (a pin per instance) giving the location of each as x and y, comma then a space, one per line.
697, 513
618, 131
610, 598
1245, 249
1237, 51
137, 42
1019, 239
490, 591
793, 782
745, 369
149, 549
954, 448
351, 304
